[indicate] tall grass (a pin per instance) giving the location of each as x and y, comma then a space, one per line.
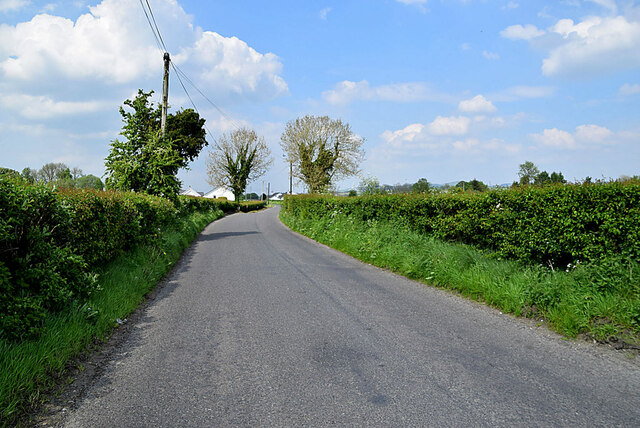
601, 300
29, 368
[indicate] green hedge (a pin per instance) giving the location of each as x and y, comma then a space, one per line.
191, 204
554, 226
51, 241
247, 206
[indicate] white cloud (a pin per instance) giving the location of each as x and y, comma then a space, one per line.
409, 134
412, 1
452, 125
593, 134
9, 5
419, 3
42, 107
490, 55
594, 46
324, 12
477, 104
466, 145
511, 5
112, 46
228, 62
629, 89
518, 32
584, 134
518, 92
555, 138
347, 91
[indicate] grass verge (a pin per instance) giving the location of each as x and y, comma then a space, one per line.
28, 369
600, 300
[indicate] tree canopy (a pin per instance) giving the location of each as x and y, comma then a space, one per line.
237, 159
321, 150
145, 161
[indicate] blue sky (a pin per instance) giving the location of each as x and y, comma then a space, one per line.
442, 89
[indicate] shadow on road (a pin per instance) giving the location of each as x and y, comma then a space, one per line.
222, 235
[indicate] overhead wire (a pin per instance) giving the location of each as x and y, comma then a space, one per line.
153, 30
156, 25
148, 12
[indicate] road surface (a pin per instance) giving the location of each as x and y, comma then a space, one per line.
258, 326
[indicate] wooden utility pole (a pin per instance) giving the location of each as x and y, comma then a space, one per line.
165, 93
291, 178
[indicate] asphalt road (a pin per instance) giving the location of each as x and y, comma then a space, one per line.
258, 326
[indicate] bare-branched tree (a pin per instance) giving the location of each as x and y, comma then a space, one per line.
321, 150
237, 159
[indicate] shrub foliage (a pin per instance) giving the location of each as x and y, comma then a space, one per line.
51, 241
554, 226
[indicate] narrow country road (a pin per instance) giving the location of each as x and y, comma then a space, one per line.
258, 326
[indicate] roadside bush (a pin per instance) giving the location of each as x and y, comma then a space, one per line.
190, 204
554, 226
50, 241
245, 207
39, 270
103, 224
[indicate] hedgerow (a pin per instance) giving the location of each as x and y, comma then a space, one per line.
247, 206
554, 226
51, 241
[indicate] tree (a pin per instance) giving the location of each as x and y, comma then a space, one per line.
8, 172
421, 186
528, 172
371, 186
557, 177
238, 158
30, 175
76, 173
542, 179
89, 182
321, 151
473, 185
145, 161
51, 172
151, 168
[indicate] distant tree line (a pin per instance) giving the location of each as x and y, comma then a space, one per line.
58, 175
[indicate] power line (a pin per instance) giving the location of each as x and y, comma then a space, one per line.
148, 12
155, 36
222, 112
156, 25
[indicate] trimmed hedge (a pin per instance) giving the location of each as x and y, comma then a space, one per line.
190, 204
247, 206
553, 226
50, 241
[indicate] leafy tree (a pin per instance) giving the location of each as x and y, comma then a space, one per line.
151, 168
51, 172
557, 177
473, 185
185, 129
542, 179
76, 173
401, 188
322, 150
352, 192
528, 173
371, 186
421, 186
8, 172
30, 175
238, 158
89, 182
145, 161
